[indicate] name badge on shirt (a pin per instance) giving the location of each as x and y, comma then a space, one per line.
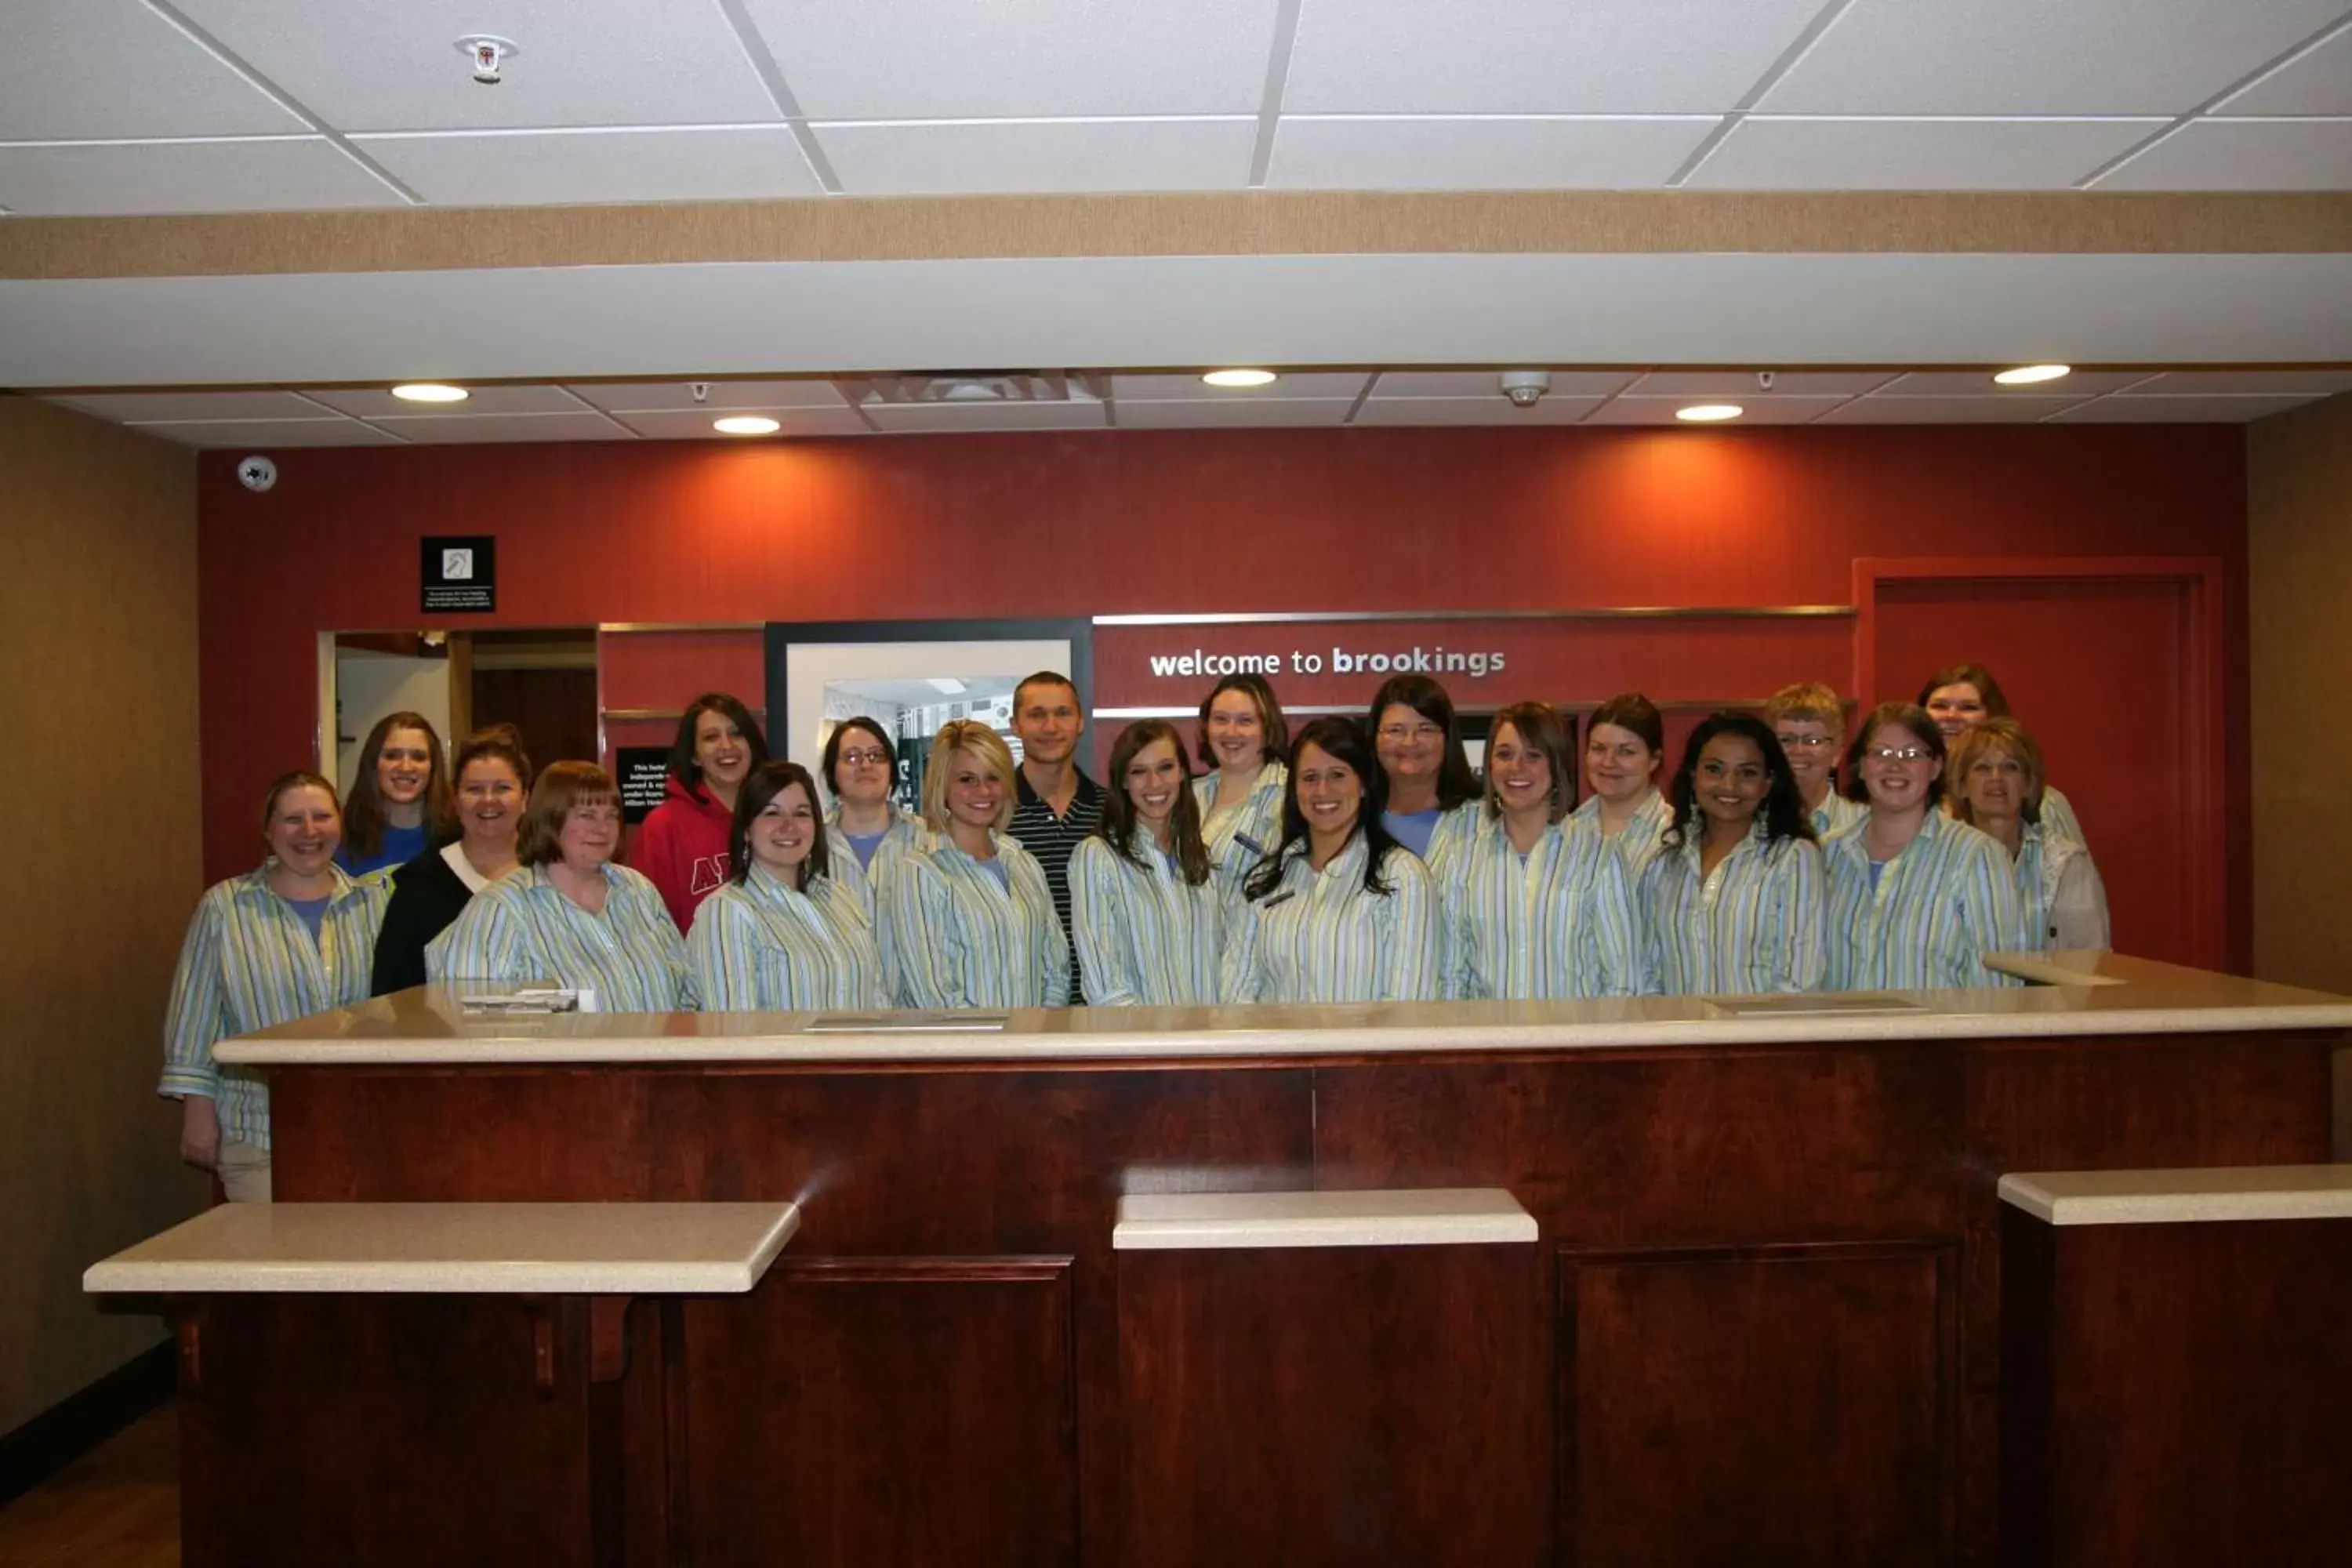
1252, 845
1282, 897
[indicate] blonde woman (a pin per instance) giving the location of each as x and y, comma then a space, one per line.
967, 917
1994, 783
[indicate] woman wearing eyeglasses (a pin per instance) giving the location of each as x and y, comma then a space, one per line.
1623, 744
862, 767
1995, 780
1242, 740
1432, 795
1958, 698
1809, 721
1535, 906
1916, 897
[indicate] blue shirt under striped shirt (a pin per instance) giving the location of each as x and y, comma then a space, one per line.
1940, 905
957, 937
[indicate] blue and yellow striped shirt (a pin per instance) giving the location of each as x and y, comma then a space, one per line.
250, 962
1146, 937
522, 927
1941, 905
1637, 843
958, 938
1754, 924
1322, 936
759, 945
1249, 832
1555, 923
1835, 814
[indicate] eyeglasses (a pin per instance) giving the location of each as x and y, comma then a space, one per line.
1900, 755
1805, 742
859, 759
1411, 733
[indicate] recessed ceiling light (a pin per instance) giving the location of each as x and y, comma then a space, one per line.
430, 391
2029, 374
746, 425
1230, 378
1709, 413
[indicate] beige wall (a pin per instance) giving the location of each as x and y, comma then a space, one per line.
97, 637
2299, 550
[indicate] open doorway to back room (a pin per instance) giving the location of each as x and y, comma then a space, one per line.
542, 680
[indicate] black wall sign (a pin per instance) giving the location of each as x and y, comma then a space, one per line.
643, 773
461, 575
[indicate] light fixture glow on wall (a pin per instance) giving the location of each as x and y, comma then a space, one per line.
746, 425
1236, 378
2032, 375
1709, 413
430, 391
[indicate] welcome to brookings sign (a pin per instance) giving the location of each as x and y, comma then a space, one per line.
1414, 660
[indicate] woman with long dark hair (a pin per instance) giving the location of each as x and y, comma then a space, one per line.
1915, 898
681, 847
1244, 738
431, 892
1431, 792
788, 931
1733, 900
1535, 906
399, 804
1339, 911
1149, 925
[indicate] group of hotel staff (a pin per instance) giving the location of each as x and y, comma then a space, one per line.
1354, 861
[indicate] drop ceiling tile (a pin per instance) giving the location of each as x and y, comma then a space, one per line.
1484, 153
1257, 413
267, 435
443, 428
675, 423
378, 403
2031, 56
1736, 385
678, 395
1483, 383
2019, 408
1192, 388
899, 418
2243, 156
2179, 410
1772, 408
1040, 155
364, 64
2318, 81
853, 59
1536, 56
148, 406
1763, 154
531, 168
276, 174
1553, 410
1980, 383
2276, 383
149, 78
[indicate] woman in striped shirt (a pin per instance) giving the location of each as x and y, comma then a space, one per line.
1242, 739
1915, 898
291, 939
1432, 793
862, 767
1339, 911
1623, 743
1994, 778
1809, 721
1535, 907
1958, 698
1149, 924
571, 917
1733, 902
787, 930
967, 917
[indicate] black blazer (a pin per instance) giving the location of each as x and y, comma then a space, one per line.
426, 897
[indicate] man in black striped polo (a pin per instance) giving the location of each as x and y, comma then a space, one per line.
1059, 804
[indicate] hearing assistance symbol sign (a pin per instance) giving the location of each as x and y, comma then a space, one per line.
460, 575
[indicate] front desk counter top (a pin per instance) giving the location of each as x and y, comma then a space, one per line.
2084, 994
1758, 1321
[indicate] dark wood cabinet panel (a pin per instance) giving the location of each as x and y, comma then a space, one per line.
1783, 1405
914, 1410
1336, 1405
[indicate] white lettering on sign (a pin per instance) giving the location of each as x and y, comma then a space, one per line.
1415, 660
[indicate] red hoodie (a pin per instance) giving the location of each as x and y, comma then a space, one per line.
681, 848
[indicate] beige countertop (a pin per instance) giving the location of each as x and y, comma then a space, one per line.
590, 1249
2180, 1198
1213, 1222
2102, 993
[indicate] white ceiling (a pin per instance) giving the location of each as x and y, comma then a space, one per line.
152, 106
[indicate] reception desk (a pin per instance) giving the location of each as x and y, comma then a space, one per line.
1758, 1321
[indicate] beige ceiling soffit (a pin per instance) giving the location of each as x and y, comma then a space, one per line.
1246, 224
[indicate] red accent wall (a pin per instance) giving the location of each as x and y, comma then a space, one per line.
915, 527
